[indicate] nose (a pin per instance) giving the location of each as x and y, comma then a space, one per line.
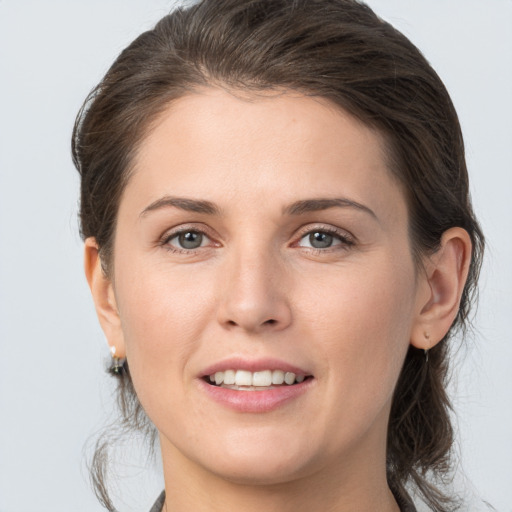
254, 293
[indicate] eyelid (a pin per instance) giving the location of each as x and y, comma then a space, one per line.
343, 235
346, 238
171, 233
205, 238
332, 230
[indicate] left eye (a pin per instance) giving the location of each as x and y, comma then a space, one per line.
188, 240
320, 240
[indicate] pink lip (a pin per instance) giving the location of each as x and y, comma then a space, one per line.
238, 363
254, 401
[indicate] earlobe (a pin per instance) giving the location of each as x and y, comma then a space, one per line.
103, 296
440, 292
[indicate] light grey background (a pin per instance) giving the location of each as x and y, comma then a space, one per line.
53, 392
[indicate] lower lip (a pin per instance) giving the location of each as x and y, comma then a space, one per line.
255, 401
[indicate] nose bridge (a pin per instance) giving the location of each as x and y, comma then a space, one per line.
254, 296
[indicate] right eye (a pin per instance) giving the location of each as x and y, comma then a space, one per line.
187, 240
320, 240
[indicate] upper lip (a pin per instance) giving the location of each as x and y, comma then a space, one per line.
252, 365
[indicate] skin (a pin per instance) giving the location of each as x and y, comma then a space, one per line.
256, 288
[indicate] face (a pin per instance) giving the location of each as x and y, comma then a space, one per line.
262, 239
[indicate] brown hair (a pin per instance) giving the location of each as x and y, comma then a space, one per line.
334, 49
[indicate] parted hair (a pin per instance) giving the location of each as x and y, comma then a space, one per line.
339, 50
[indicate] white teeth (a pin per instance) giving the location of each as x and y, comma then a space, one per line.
262, 379
247, 388
229, 377
289, 377
242, 378
277, 377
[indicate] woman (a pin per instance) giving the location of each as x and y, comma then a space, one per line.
280, 243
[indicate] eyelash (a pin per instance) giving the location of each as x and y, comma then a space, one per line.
345, 239
164, 241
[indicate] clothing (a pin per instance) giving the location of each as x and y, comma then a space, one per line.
159, 503
405, 504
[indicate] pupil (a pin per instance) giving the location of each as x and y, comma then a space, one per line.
320, 240
190, 240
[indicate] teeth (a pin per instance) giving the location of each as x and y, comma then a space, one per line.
289, 377
247, 388
261, 379
242, 378
277, 377
229, 377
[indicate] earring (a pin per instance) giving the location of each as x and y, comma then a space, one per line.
427, 337
117, 366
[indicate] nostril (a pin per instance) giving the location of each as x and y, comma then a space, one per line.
271, 321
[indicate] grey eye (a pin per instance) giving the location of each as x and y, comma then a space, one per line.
190, 239
320, 240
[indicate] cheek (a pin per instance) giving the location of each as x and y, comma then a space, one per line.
163, 314
362, 321
155, 298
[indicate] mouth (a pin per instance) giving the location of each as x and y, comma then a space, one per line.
255, 386
264, 380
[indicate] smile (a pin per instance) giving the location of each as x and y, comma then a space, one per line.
255, 385
244, 380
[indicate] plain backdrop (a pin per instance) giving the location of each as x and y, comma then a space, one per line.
54, 393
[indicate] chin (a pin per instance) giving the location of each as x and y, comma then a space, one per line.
249, 472
265, 462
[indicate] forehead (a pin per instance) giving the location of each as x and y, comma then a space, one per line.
225, 147
250, 119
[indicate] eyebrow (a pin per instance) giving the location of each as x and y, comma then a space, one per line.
314, 205
189, 205
296, 208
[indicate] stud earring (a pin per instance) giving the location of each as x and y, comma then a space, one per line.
117, 366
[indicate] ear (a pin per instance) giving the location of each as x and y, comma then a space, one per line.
103, 296
441, 288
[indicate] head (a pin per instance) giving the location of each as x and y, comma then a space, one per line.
331, 61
